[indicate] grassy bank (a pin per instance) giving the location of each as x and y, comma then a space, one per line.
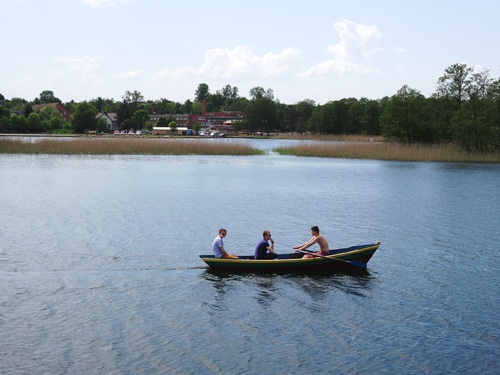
355, 147
331, 137
389, 151
125, 146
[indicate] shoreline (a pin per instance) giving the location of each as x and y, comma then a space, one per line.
352, 147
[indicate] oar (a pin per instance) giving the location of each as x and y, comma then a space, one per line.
352, 262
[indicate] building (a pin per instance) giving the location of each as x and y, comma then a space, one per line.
165, 130
111, 119
180, 119
65, 113
220, 122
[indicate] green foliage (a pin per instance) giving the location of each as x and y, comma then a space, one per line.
36, 123
173, 127
18, 124
131, 102
140, 117
162, 122
258, 92
101, 126
405, 117
46, 97
261, 115
472, 107
201, 92
84, 117
105, 105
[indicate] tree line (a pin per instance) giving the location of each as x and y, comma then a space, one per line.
464, 109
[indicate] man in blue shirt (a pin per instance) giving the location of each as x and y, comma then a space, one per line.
261, 251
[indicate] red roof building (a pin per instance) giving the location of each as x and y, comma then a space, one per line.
65, 113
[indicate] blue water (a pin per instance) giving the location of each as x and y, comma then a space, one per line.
99, 267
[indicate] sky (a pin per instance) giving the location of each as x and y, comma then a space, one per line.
320, 50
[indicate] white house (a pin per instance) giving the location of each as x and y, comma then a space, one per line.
111, 119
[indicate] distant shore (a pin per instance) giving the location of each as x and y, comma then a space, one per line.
351, 147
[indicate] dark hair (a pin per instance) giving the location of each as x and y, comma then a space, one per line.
222, 229
315, 228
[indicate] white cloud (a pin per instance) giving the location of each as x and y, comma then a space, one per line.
238, 62
353, 54
129, 75
105, 3
85, 68
84, 65
398, 49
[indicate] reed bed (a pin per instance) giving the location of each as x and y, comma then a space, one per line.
332, 137
389, 151
125, 146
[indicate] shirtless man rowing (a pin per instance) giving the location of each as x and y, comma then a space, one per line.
316, 238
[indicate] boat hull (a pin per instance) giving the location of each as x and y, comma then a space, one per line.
339, 259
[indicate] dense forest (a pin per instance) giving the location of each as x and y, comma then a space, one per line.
464, 109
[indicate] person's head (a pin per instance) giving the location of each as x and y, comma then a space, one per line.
222, 232
266, 234
315, 230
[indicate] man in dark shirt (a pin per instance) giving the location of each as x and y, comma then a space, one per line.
263, 250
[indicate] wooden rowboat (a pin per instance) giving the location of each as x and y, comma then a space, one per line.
348, 258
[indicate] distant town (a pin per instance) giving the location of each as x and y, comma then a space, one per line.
464, 110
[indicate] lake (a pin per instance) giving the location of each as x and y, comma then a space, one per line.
100, 274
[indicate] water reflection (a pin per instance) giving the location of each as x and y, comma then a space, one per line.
269, 286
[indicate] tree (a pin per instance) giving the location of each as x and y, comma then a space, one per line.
259, 92
5, 120
173, 127
201, 92
131, 103
493, 115
261, 115
84, 117
465, 99
215, 102
404, 117
51, 117
370, 122
187, 107
196, 127
101, 126
197, 107
141, 117
36, 123
18, 124
454, 83
162, 122
471, 128
105, 105
229, 92
133, 100
46, 97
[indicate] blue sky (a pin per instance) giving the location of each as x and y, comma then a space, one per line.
319, 50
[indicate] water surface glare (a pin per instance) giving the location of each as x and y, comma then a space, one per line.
99, 267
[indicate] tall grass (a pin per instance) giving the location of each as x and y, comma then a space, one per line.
125, 146
389, 151
332, 137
